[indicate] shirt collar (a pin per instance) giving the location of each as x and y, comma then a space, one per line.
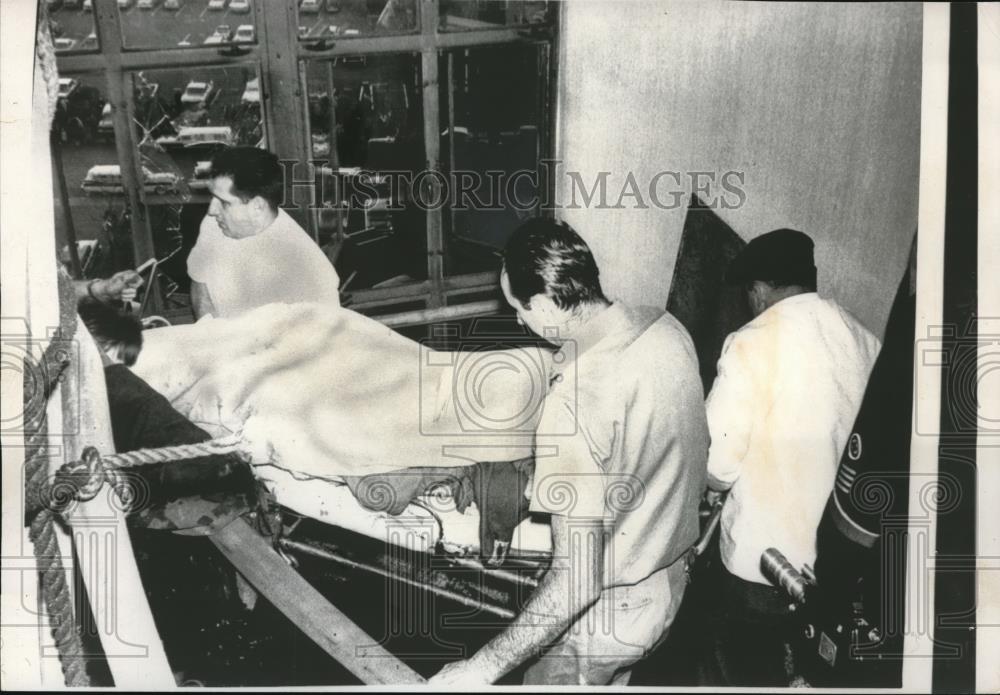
791, 301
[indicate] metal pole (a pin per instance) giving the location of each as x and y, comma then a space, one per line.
444, 593
57, 165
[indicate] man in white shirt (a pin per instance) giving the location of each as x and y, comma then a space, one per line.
249, 251
619, 469
789, 386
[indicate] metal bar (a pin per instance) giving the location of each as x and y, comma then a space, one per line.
119, 94
57, 166
475, 280
353, 564
168, 58
495, 571
198, 56
334, 156
461, 291
432, 145
284, 102
706, 535
153, 295
450, 81
307, 609
441, 313
376, 296
413, 43
553, 134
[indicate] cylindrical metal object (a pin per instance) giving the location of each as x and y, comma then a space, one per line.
496, 572
780, 572
335, 557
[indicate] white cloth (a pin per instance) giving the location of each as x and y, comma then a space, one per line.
789, 387
329, 392
280, 264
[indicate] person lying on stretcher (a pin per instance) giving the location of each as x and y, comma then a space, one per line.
141, 418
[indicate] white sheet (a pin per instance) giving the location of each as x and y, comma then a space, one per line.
331, 392
319, 393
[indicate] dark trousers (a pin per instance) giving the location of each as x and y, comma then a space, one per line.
751, 630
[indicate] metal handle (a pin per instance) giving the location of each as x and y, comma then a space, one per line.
780, 572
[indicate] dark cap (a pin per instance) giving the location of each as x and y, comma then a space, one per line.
782, 257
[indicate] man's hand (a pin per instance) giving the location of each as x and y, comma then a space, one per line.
121, 286
460, 673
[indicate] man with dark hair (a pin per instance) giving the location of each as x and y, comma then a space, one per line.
118, 335
788, 388
620, 454
249, 251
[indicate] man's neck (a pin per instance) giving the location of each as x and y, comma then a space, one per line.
782, 293
578, 319
271, 216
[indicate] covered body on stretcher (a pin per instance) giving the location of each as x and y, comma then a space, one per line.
320, 395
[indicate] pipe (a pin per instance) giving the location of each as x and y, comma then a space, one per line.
445, 313
713, 523
444, 593
495, 571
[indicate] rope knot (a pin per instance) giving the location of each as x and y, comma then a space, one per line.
79, 480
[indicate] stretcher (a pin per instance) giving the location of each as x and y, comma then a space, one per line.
317, 395
430, 522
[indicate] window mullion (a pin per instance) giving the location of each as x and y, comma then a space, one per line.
283, 102
432, 148
110, 32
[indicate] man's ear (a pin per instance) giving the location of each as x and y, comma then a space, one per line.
545, 308
757, 296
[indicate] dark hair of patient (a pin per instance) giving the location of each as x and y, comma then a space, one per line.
547, 257
254, 172
111, 328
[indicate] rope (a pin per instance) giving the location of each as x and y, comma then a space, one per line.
83, 480
40, 382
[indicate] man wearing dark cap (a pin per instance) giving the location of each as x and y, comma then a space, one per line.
789, 386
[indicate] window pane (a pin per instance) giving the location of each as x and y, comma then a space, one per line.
183, 23
174, 229
72, 27
490, 123
182, 116
366, 120
332, 19
86, 163
465, 15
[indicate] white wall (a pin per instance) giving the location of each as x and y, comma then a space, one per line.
817, 104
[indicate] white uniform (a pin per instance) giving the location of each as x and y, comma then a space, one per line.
280, 264
789, 386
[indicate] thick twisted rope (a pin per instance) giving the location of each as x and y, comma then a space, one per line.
83, 480
40, 382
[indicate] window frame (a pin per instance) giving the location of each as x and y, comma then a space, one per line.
281, 60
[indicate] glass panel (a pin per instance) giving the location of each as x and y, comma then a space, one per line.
183, 116
370, 108
333, 19
88, 192
466, 15
72, 25
489, 143
183, 23
174, 229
